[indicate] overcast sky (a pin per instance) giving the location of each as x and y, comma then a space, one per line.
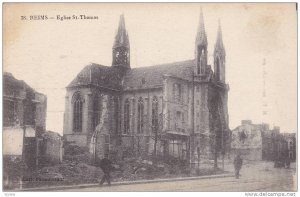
49, 54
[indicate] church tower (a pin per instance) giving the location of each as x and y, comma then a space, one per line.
201, 48
121, 47
219, 57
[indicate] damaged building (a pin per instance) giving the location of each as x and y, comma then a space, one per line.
24, 119
259, 142
24, 125
177, 109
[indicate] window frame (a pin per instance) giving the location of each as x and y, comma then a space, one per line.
77, 103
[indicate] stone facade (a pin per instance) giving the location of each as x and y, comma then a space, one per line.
177, 109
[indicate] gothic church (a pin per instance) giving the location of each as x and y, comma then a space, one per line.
177, 110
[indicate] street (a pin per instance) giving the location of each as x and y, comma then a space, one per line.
259, 176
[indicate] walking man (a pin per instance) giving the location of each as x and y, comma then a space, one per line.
238, 162
106, 167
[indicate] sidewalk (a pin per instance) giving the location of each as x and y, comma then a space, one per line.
53, 188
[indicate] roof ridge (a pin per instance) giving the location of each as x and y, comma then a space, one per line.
166, 64
96, 64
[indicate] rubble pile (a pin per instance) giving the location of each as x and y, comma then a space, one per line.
77, 169
131, 169
76, 153
69, 173
14, 168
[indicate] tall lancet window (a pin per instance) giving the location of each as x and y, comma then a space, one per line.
177, 94
155, 114
202, 62
77, 112
198, 61
140, 125
96, 110
217, 69
126, 117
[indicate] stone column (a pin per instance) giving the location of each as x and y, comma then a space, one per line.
87, 116
67, 116
165, 105
132, 116
147, 115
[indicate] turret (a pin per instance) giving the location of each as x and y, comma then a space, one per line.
121, 47
201, 48
219, 57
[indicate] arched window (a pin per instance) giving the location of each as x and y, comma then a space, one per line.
77, 112
177, 92
140, 125
155, 114
96, 110
202, 62
218, 69
126, 116
199, 60
290, 144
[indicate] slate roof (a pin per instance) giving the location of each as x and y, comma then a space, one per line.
152, 76
135, 78
99, 75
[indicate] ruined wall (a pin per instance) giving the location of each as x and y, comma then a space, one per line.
41, 112
13, 140
247, 139
53, 150
104, 139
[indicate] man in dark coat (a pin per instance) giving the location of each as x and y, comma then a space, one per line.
106, 166
238, 162
287, 162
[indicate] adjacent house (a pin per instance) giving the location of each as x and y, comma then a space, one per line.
24, 119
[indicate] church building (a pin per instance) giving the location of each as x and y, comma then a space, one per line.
177, 109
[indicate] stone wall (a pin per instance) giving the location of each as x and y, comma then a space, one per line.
41, 111
139, 143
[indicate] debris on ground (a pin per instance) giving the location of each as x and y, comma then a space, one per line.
76, 168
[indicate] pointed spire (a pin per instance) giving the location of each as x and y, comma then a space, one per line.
201, 38
121, 38
219, 46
